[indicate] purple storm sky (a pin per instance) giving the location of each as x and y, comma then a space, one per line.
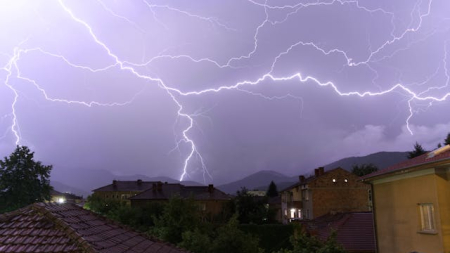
215, 90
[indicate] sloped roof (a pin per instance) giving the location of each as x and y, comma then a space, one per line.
166, 191
137, 185
354, 231
428, 158
312, 178
69, 228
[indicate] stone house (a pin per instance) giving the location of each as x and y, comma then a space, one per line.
122, 190
336, 190
211, 201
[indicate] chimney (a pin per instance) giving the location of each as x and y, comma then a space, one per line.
321, 171
211, 188
301, 178
154, 187
139, 182
316, 172
114, 184
160, 186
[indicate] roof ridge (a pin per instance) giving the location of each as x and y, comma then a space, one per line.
9, 215
66, 228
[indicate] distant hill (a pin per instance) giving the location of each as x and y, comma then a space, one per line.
257, 180
380, 159
261, 180
83, 181
70, 189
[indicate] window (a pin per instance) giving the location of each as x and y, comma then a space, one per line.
305, 194
292, 213
346, 180
427, 222
334, 180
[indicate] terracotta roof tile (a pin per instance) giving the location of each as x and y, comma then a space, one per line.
165, 191
354, 231
69, 228
126, 186
428, 158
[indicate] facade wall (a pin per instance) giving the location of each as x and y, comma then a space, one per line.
291, 199
443, 191
398, 222
338, 191
116, 195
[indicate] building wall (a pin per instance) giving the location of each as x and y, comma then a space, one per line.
291, 199
116, 195
338, 191
397, 212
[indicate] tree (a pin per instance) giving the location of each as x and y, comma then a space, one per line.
447, 140
179, 215
363, 169
304, 243
225, 239
231, 239
418, 151
272, 191
23, 181
251, 209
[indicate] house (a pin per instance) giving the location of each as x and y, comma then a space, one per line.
211, 201
50, 227
412, 204
354, 230
336, 190
60, 197
122, 190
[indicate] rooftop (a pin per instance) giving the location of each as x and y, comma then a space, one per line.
317, 173
137, 185
163, 191
354, 231
45, 227
434, 157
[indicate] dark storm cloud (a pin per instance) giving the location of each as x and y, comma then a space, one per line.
288, 126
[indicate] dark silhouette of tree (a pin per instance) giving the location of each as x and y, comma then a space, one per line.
251, 209
305, 243
224, 239
418, 151
179, 215
23, 181
363, 169
447, 140
272, 191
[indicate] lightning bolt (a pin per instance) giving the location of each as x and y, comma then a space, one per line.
373, 56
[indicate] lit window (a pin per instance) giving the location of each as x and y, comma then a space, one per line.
427, 222
345, 180
61, 200
292, 213
334, 180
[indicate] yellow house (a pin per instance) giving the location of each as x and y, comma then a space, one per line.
412, 204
